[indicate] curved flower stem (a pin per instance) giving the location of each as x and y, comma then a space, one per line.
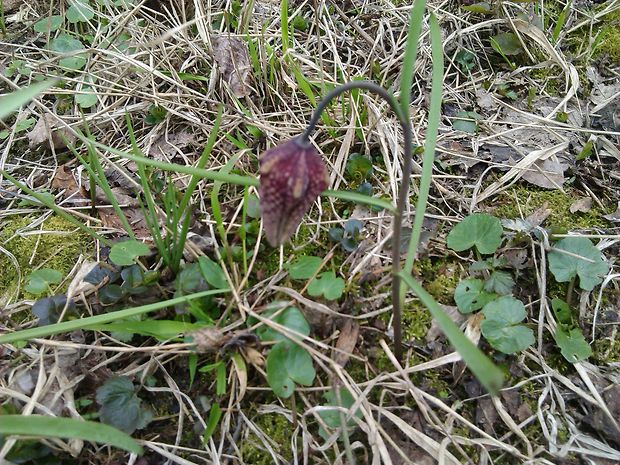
402, 192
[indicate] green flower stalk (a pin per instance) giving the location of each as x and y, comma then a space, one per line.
293, 175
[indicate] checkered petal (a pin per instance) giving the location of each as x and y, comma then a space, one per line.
292, 177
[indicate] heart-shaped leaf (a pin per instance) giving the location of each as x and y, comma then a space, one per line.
327, 285
572, 344
40, 280
287, 364
480, 230
125, 253
577, 256
500, 282
470, 295
49, 24
501, 325
64, 43
213, 273
304, 267
120, 405
80, 11
290, 317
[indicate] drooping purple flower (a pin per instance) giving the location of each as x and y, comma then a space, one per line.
292, 175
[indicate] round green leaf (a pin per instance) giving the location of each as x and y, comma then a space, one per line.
213, 273
87, 98
39, 280
288, 363
572, 344
304, 267
64, 43
50, 24
577, 256
500, 326
290, 317
80, 11
470, 295
125, 253
506, 43
480, 230
328, 285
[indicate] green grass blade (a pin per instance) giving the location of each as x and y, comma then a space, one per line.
52, 206
411, 53
431, 140
489, 375
67, 428
110, 317
284, 26
360, 198
202, 161
11, 102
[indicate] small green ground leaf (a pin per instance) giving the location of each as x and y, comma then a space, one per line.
64, 43
80, 11
213, 273
214, 418
466, 121
480, 230
67, 428
39, 280
581, 259
470, 295
87, 98
49, 24
489, 375
333, 418
573, 345
120, 406
290, 317
500, 282
125, 253
561, 311
507, 43
481, 7
328, 285
304, 267
501, 325
288, 363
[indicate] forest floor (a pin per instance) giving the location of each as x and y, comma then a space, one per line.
528, 143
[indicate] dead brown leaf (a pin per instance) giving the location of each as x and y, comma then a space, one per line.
548, 173
583, 205
347, 340
539, 215
231, 55
63, 180
167, 147
10, 5
46, 129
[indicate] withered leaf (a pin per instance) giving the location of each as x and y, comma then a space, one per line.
231, 55
583, 205
347, 341
46, 129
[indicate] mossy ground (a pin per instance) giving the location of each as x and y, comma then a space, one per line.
56, 246
525, 200
278, 429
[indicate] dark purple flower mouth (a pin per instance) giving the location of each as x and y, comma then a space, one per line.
292, 175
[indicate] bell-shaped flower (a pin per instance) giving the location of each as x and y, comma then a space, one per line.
292, 175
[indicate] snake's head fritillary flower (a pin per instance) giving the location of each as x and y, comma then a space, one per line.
292, 175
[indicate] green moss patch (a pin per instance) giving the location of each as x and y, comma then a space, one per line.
561, 218
55, 244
